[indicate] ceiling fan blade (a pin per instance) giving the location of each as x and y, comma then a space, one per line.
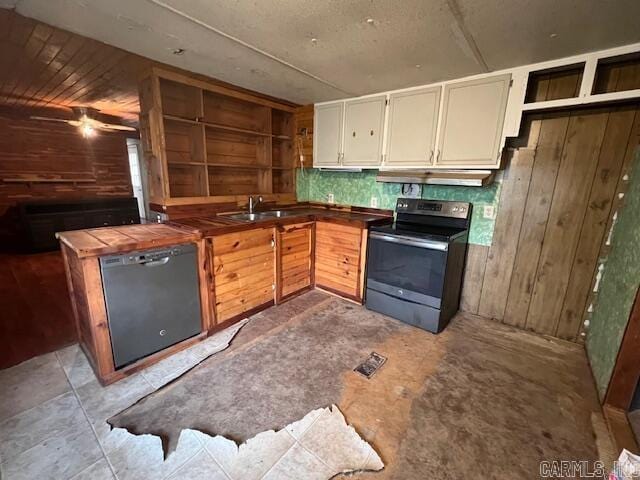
50, 119
113, 126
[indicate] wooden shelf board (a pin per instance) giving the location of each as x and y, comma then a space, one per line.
218, 126
239, 165
47, 180
187, 164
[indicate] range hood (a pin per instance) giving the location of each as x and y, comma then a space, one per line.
460, 178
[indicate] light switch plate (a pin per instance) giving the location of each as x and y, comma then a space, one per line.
374, 202
330, 198
489, 212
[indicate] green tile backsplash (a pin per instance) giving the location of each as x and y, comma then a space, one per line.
357, 188
619, 282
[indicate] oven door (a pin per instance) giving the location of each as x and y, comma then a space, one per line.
408, 268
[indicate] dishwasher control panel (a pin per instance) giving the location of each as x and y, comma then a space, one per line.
146, 256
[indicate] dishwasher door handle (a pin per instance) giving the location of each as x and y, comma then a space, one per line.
156, 263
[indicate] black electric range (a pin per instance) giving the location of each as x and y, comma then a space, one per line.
415, 266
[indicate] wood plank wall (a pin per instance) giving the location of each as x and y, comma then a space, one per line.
33, 149
304, 135
558, 195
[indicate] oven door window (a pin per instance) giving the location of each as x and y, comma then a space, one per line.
410, 268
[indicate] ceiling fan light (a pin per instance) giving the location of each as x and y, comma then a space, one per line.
87, 131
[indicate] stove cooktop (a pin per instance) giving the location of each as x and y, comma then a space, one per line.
430, 232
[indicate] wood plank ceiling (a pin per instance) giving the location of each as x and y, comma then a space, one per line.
43, 66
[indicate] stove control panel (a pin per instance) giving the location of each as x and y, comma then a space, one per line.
440, 208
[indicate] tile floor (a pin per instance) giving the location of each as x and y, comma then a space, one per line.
53, 417
53, 425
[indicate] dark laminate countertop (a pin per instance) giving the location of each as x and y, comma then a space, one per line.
108, 240
221, 224
126, 238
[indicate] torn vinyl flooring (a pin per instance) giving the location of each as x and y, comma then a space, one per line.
480, 399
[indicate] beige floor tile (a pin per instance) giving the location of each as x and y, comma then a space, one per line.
337, 444
98, 471
299, 464
141, 457
171, 367
76, 365
31, 383
110, 438
103, 402
216, 342
31, 427
60, 457
253, 458
297, 429
200, 467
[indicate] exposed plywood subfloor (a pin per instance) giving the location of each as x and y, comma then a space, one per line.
462, 404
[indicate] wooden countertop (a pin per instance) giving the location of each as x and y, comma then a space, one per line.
221, 224
126, 238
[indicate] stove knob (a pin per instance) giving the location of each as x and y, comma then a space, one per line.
455, 209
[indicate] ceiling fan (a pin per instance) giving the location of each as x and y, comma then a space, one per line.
87, 122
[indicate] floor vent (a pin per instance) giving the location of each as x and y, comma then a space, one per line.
370, 365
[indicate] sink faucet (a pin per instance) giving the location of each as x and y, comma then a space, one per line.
253, 203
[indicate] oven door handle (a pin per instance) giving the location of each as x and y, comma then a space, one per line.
413, 242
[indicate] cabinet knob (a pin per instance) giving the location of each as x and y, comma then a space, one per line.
371, 133
354, 134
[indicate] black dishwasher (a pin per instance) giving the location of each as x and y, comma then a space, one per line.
152, 299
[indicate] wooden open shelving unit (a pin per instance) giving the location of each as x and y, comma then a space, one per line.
206, 142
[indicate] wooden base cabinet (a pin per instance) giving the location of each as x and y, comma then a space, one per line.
295, 258
243, 272
254, 269
340, 257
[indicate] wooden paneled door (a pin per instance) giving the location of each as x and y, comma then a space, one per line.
244, 273
558, 195
294, 259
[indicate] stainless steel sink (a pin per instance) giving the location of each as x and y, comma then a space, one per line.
255, 217
281, 213
249, 217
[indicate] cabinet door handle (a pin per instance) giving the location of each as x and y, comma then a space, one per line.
437, 155
430, 156
273, 243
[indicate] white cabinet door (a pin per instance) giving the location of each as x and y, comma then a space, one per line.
411, 131
472, 120
364, 121
327, 134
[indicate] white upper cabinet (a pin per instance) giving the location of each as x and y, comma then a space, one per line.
472, 121
327, 134
363, 125
412, 126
